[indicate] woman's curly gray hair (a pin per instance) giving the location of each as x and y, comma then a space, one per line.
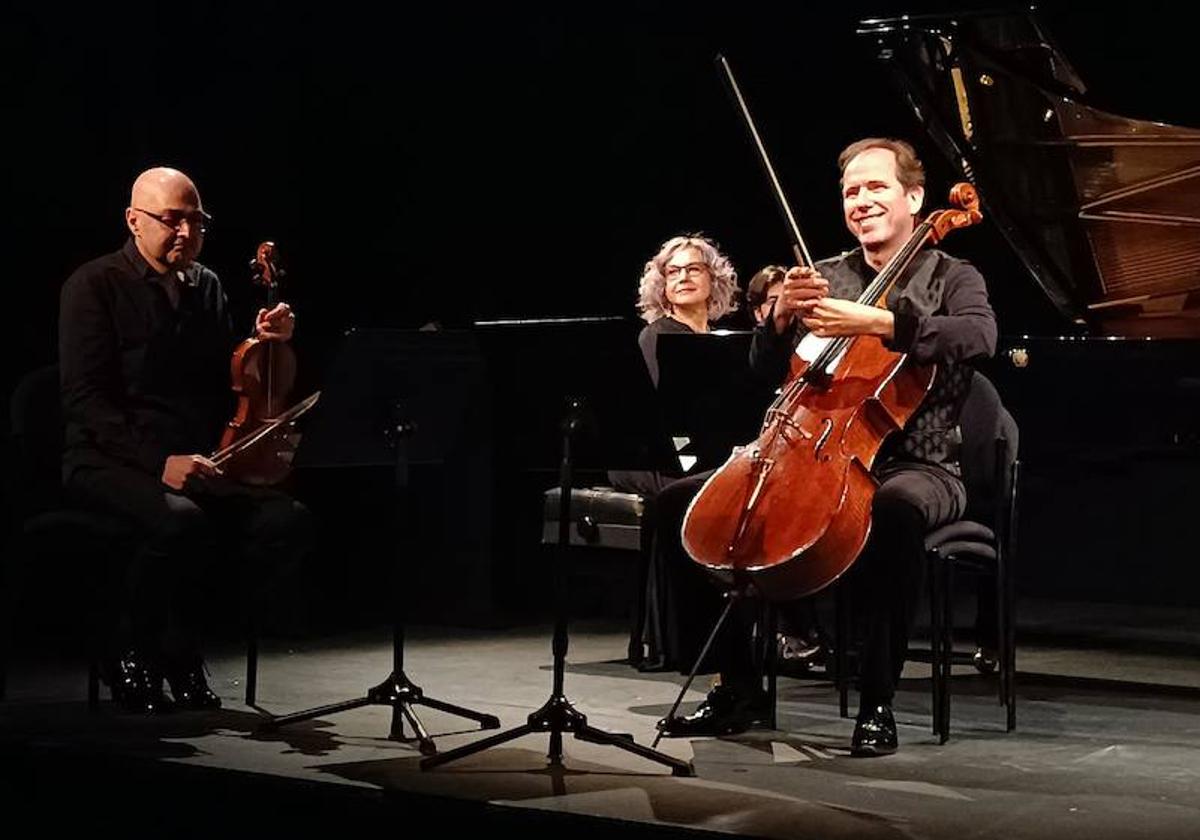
652, 290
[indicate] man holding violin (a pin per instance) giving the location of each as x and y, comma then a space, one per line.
938, 313
145, 338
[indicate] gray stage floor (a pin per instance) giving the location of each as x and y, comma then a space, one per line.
1107, 745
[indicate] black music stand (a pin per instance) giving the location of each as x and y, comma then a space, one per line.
592, 405
393, 398
709, 393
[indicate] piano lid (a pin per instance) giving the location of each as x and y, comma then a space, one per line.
1103, 210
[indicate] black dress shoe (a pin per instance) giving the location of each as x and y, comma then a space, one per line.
985, 660
724, 712
874, 732
188, 686
799, 653
136, 684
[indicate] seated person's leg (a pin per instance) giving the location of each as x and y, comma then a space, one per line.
160, 610
800, 639
688, 599
693, 602
888, 580
271, 535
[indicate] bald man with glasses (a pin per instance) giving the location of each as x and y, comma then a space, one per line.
145, 338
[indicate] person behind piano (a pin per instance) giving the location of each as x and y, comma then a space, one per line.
763, 290
684, 288
938, 314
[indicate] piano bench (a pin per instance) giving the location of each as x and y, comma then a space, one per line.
602, 518
608, 526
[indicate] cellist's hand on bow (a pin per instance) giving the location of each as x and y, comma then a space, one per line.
826, 317
276, 325
802, 287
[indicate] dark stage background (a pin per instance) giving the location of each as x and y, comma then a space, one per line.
440, 162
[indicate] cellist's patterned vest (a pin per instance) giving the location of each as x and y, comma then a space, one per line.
932, 434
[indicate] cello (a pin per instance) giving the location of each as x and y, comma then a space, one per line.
256, 447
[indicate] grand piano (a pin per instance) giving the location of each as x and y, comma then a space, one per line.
1103, 213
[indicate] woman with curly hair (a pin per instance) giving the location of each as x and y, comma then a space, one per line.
687, 285
684, 287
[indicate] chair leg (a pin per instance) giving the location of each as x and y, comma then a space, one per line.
1007, 588
251, 666
1008, 661
947, 648
771, 660
1011, 705
1010, 700
93, 685
841, 641
935, 641
6, 621
640, 636
1001, 628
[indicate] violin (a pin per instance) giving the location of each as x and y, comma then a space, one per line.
263, 374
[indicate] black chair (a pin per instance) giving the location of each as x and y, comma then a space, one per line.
48, 532
982, 542
45, 533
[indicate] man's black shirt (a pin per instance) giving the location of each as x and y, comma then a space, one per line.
142, 380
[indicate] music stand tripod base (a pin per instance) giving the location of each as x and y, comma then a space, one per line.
397, 691
557, 715
377, 369
401, 694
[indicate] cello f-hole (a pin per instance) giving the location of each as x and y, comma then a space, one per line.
826, 431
